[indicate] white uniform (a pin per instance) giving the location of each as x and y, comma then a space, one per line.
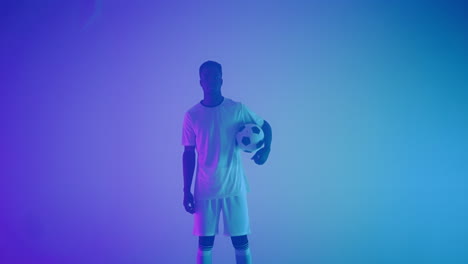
220, 176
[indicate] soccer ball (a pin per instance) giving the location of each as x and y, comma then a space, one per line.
250, 137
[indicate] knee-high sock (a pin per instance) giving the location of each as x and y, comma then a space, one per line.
204, 256
243, 256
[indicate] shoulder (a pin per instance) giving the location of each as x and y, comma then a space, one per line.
233, 103
239, 104
229, 101
193, 110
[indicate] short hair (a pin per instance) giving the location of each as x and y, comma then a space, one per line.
210, 65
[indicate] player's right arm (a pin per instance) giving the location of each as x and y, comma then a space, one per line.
189, 168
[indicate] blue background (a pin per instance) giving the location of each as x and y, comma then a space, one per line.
367, 101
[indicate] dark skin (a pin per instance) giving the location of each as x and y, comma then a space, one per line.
211, 82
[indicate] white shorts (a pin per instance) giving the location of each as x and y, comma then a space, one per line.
235, 216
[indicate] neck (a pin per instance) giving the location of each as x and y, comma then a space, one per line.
212, 99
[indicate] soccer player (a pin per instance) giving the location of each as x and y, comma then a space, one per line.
210, 128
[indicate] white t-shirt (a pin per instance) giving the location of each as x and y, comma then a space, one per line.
212, 130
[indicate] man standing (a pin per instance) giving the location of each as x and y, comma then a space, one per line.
221, 185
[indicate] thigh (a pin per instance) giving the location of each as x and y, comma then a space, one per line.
236, 216
206, 217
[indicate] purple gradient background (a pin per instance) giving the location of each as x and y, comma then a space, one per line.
367, 101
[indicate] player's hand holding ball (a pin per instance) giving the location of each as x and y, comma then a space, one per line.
261, 156
250, 138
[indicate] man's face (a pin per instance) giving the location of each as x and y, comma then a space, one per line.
211, 80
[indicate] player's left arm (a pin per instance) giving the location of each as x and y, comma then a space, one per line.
262, 154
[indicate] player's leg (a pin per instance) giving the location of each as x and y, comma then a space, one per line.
205, 245
236, 225
206, 218
241, 246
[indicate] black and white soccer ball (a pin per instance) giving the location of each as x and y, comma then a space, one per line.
250, 137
